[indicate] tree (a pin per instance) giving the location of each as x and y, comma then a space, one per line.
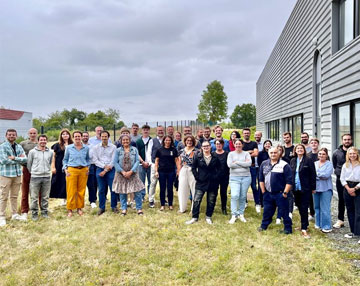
73, 116
244, 115
213, 104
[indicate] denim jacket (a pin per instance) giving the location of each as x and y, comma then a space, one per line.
119, 159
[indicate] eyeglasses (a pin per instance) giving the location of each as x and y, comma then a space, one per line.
205, 146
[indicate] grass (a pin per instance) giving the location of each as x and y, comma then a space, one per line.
159, 249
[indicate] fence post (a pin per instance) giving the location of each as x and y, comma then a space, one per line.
42, 129
165, 127
114, 133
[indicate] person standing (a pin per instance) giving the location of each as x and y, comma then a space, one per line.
76, 164
323, 193
224, 172
218, 130
124, 131
166, 163
186, 177
304, 182
135, 133
288, 147
177, 138
127, 181
252, 148
170, 131
27, 145
338, 160
12, 156
305, 141
199, 134
239, 163
205, 168
181, 145
263, 156
233, 137
313, 155
142, 144
103, 157
275, 182
58, 183
350, 180
154, 145
39, 166
91, 182
206, 135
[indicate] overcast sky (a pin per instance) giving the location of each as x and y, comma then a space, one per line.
149, 59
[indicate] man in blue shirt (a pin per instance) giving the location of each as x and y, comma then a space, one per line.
218, 130
275, 178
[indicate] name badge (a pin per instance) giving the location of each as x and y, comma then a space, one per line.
171, 153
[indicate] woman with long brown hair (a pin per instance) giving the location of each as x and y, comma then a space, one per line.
58, 183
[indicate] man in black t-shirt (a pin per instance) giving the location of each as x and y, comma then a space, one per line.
289, 147
252, 148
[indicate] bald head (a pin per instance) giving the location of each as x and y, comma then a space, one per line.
33, 133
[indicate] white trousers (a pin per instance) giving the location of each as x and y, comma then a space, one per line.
153, 183
186, 184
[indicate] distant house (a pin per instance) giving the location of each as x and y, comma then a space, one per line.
19, 120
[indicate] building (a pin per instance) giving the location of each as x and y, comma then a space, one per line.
311, 81
19, 120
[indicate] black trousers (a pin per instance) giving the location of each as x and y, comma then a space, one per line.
210, 199
302, 199
311, 206
341, 202
224, 183
353, 212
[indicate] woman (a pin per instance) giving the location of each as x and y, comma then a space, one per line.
304, 184
350, 179
166, 163
323, 193
239, 162
186, 178
263, 154
126, 180
58, 183
223, 172
177, 138
233, 136
76, 166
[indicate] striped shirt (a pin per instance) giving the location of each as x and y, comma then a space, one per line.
11, 168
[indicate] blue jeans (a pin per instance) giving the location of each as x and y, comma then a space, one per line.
322, 205
239, 187
137, 197
271, 201
92, 183
104, 183
166, 181
143, 174
256, 194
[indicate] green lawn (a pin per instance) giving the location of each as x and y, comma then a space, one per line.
159, 249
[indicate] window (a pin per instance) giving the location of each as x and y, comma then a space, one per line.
273, 130
294, 125
347, 21
348, 121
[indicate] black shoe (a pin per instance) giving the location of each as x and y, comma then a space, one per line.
260, 229
101, 211
224, 212
35, 217
151, 204
285, 232
115, 210
45, 215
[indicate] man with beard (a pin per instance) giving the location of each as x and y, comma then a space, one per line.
338, 159
206, 135
170, 131
305, 141
218, 130
289, 147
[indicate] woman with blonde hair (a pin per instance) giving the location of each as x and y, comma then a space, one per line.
350, 179
58, 182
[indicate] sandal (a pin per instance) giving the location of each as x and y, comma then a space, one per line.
123, 213
69, 214
171, 208
80, 212
162, 208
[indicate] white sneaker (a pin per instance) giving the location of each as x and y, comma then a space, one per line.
24, 215
310, 218
258, 208
339, 224
326, 230
242, 218
233, 219
93, 205
295, 208
18, 217
278, 221
316, 226
2, 222
349, 235
63, 203
290, 215
193, 220
208, 220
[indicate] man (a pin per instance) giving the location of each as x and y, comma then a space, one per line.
258, 136
135, 132
124, 131
289, 147
27, 145
305, 141
199, 134
85, 138
206, 135
12, 155
218, 130
275, 182
142, 145
154, 145
313, 155
103, 157
205, 169
95, 140
39, 166
252, 148
338, 159
170, 131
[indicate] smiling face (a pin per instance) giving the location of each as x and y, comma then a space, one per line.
65, 136
218, 146
11, 136
77, 138
267, 146
85, 138
274, 154
238, 145
188, 142
304, 139
177, 136
207, 133
246, 134
98, 131
353, 155
42, 142
218, 132
300, 150
125, 141
322, 156
167, 142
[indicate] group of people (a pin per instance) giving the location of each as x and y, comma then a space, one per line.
282, 177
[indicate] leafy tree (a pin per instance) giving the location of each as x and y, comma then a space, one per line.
244, 115
73, 116
56, 120
213, 104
